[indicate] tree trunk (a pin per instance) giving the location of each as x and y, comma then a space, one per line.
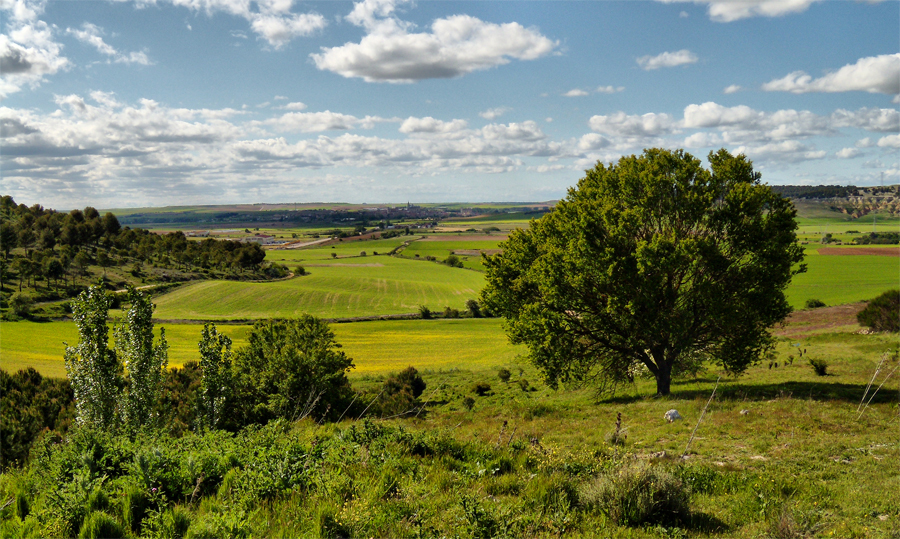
663, 378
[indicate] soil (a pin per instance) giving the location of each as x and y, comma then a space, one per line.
801, 323
850, 251
467, 237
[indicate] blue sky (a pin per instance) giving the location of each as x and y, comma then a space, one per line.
172, 102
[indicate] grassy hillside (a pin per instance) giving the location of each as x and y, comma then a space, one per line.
359, 287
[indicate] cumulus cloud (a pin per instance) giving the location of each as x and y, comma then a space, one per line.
621, 124
296, 105
890, 141
491, 114
314, 122
870, 119
847, 153
271, 20
28, 51
788, 151
455, 46
874, 74
667, 59
91, 34
431, 125
733, 89
577, 92
733, 10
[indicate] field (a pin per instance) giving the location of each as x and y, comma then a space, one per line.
843, 279
362, 286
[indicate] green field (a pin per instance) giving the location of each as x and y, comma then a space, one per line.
442, 249
377, 347
361, 287
344, 249
844, 279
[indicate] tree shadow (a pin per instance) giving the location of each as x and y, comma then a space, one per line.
706, 523
737, 391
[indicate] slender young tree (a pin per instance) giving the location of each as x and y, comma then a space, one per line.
215, 369
144, 361
92, 367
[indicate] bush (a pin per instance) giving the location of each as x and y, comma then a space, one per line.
820, 366
638, 495
401, 391
503, 375
882, 313
290, 368
99, 525
814, 303
474, 308
424, 312
468, 403
300, 271
21, 303
451, 313
481, 389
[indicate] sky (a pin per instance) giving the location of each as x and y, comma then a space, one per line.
135, 103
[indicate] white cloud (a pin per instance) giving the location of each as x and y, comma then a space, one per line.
577, 92
733, 10
788, 151
878, 120
890, 141
667, 59
296, 105
609, 89
864, 143
734, 88
455, 46
431, 125
314, 122
703, 140
91, 34
272, 20
847, 153
874, 74
592, 141
621, 124
494, 113
28, 51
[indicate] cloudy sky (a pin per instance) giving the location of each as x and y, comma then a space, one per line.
171, 102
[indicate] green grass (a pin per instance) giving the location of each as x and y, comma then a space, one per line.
843, 279
387, 286
377, 347
344, 249
442, 249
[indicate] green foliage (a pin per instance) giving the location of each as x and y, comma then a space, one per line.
882, 313
29, 404
649, 261
504, 375
424, 312
637, 495
814, 303
291, 368
400, 392
216, 382
481, 388
473, 308
819, 366
144, 362
93, 369
99, 525
20, 303
468, 403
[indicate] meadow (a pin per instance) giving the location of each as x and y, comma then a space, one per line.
362, 286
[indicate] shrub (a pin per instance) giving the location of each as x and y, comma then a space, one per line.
814, 303
300, 271
523, 383
882, 313
99, 525
820, 366
481, 389
451, 313
474, 308
362, 253
20, 303
637, 495
290, 368
424, 312
503, 375
468, 403
401, 391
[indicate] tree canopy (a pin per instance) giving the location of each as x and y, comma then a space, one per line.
652, 262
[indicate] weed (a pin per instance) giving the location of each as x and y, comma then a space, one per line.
820, 366
99, 525
638, 494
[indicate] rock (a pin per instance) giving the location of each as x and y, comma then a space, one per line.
673, 416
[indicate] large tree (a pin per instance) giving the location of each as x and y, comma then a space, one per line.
652, 262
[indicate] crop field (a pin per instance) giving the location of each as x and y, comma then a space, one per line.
441, 249
344, 249
843, 279
377, 347
363, 287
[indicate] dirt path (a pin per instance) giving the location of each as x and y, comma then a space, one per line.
801, 323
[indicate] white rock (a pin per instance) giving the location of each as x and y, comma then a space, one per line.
673, 416
745, 412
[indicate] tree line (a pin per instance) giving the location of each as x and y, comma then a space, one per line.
57, 248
